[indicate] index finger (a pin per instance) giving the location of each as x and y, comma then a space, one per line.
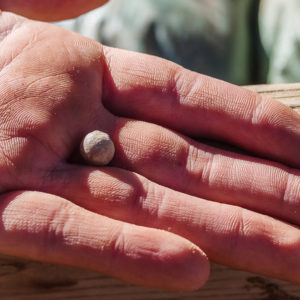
152, 89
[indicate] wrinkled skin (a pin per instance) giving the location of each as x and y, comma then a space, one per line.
56, 86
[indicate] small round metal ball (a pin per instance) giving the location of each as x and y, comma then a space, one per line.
97, 148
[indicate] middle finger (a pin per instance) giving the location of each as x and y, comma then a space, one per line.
185, 165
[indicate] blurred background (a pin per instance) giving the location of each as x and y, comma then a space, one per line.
240, 41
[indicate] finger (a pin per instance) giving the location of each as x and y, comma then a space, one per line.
48, 228
155, 90
207, 172
50, 10
228, 234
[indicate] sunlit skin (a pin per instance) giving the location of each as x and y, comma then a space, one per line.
56, 86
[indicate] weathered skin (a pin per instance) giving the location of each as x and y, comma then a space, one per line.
55, 86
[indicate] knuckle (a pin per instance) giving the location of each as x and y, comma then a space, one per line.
270, 113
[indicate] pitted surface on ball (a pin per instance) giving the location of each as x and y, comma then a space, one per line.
97, 148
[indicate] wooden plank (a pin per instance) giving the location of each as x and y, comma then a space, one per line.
288, 94
23, 279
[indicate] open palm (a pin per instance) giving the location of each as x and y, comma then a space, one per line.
56, 86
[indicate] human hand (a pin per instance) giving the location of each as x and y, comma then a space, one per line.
56, 86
